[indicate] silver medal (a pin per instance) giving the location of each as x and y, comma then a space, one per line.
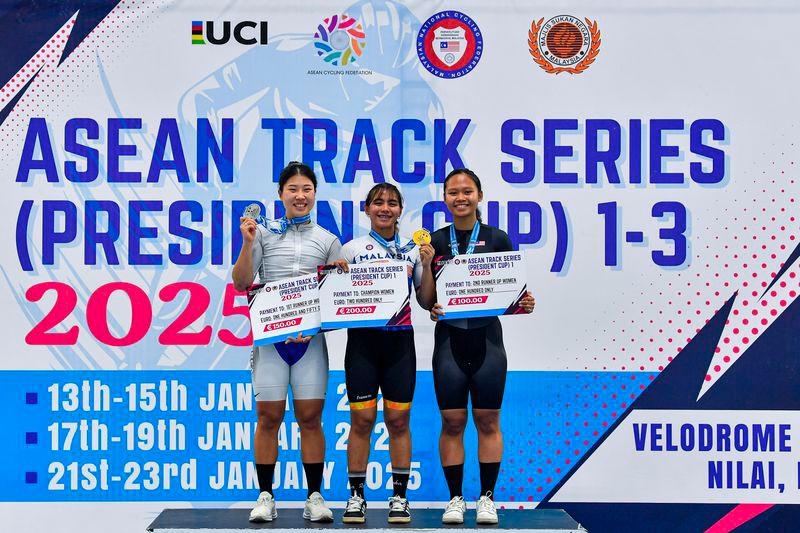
252, 211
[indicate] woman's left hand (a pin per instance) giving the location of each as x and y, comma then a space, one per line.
299, 338
528, 302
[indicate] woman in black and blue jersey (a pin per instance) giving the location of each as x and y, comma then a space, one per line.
469, 359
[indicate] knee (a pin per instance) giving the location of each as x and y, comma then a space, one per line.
453, 425
309, 421
396, 423
362, 423
269, 422
487, 424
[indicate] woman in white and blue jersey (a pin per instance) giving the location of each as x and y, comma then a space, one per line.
384, 357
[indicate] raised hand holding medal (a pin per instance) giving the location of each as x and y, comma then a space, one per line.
248, 221
422, 238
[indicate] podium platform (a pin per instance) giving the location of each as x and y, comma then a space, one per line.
235, 520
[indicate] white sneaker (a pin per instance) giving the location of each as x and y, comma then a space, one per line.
264, 511
454, 512
316, 509
487, 514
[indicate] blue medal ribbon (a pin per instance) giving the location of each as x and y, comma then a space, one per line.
395, 245
254, 211
473, 239
286, 222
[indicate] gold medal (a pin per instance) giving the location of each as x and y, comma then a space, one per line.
421, 236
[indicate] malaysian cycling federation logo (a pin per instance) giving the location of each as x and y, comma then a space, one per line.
340, 40
449, 44
564, 44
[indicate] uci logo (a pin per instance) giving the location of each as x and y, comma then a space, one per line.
244, 32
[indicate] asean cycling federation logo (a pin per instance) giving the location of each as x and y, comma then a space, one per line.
564, 44
449, 44
340, 40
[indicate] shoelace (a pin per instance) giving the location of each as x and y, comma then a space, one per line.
397, 504
455, 503
486, 503
354, 504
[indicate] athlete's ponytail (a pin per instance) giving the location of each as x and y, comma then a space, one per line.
467, 172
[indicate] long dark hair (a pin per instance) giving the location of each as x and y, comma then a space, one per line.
471, 175
296, 168
379, 188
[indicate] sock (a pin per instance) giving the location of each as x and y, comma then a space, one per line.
454, 474
400, 481
357, 480
313, 476
489, 473
265, 473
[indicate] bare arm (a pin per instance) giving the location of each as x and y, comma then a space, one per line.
243, 268
426, 292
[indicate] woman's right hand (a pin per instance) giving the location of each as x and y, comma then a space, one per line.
343, 264
426, 254
248, 228
436, 312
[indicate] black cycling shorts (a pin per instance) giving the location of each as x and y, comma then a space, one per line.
469, 363
380, 358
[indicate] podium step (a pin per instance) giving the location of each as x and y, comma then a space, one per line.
235, 520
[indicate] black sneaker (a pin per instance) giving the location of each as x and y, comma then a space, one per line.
398, 510
356, 510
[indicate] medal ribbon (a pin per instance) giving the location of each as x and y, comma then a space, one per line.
473, 239
398, 250
286, 222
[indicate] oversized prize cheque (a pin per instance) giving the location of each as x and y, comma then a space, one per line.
370, 295
476, 285
284, 308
